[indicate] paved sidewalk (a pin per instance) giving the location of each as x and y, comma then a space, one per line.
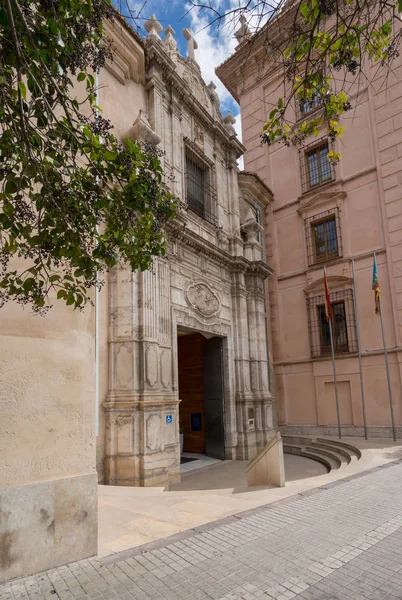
343, 542
130, 516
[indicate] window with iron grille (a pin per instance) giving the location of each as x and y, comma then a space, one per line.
323, 236
315, 167
200, 194
343, 324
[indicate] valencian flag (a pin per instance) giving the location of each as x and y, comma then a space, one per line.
327, 298
376, 288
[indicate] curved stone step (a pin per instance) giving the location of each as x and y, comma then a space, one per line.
345, 454
311, 454
340, 444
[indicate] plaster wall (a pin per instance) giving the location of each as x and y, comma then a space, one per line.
367, 194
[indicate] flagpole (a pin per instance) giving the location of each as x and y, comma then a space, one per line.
359, 349
335, 383
328, 312
387, 367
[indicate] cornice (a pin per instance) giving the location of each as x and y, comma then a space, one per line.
128, 52
177, 230
254, 186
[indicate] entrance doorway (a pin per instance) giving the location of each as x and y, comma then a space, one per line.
201, 410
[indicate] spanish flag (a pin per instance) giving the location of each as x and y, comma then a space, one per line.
327, 298
376, 287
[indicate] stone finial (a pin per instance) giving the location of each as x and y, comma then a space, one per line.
169, 42
243, 33
191, 43
214, 97
153, 26
229, 119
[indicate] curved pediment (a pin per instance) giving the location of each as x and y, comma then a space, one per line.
334, 282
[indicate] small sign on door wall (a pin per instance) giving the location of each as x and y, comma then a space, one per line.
196, 422
169, 419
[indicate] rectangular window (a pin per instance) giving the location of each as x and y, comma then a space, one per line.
318, 166
315, 168
323, 236
195, 180
200, 195
343, 324
325, 239
339, 328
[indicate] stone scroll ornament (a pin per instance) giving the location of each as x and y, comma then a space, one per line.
202, 298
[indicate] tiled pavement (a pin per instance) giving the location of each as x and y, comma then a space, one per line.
342, 542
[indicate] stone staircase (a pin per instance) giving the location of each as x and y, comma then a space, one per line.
332, 454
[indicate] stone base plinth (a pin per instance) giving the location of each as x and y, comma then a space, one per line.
47, 524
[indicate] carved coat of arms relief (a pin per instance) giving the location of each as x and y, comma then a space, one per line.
203, 299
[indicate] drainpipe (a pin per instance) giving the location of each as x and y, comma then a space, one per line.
97, 309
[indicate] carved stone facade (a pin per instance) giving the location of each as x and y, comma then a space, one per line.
212, 282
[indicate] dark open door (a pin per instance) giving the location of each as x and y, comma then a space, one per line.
213, 399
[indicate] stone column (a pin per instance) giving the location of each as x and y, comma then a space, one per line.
142, 441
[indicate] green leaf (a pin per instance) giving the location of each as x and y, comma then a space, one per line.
11, 187
81, 76
22, 89
304, 9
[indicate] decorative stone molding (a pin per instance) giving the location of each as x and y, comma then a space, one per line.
198, 134
151, 365
334, 282
321, 198
201, 297
169, 43
250, 227
142, 131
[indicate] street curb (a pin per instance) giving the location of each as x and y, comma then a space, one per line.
189, 533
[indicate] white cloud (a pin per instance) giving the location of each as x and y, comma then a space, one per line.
237, 126
214, 47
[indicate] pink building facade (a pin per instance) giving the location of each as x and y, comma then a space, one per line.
325, 215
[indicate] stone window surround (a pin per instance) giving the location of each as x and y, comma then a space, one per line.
190, 148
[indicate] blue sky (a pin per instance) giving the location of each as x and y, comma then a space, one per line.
214, 44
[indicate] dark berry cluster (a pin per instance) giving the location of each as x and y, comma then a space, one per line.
346, 59
327, 7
